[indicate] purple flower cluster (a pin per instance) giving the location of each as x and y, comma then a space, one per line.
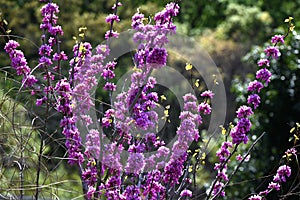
239, 132
153, 187
277, 39
111, 18
187, 132
142, 103
223, 153
272, 51
73, 139
151, 38
19, 63
86, 67
186, 193
263, 76
135, 163
90, 175
107, 74
280, 177
49, 24
157, 57
92, 144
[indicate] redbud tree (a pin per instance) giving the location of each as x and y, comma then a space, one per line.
118, 149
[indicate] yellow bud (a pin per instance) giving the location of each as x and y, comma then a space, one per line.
191, 168
292, 27
197, 83
166, 112
188, 66
83, 28
288, 19
163, 97
292, 130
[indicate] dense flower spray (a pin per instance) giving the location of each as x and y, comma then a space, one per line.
19, 63
130, 122
238, 133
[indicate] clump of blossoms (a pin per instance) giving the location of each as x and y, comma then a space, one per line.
238, 133
283, 172
19, 63
131, 120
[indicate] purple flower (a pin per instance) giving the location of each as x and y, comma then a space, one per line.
132, 192
166, 15
174, 170
90, 174
255, 197
45, 49
189, 97
255, 86
49, 8
205, 108
264, 74
19, 63
244, 111
93, 143
291, 151
238, 133
29, 80
91, 191
217, 188
45, 61
137, 20
112, 17
10, 46
282, 172
108, 74
115, 6
158, 57
275, 186
277, 38
190, 106
112, 34
73, 139
272, 51
109, 86
262, 62
163, 151
135, 163
56, 30
239, 157
264, 193
223, 152
254, 99
186, 193
52, 41
40, 101
60, 56
208, 94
